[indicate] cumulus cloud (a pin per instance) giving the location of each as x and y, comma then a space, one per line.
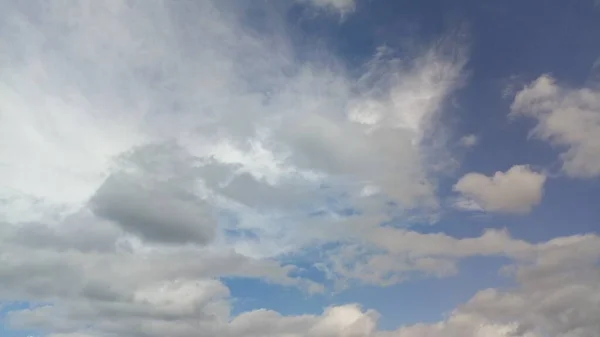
514, 191
568, 118
383, 256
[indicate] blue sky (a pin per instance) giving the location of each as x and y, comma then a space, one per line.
322, 168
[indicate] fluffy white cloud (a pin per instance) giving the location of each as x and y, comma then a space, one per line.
183, 127
568, 118
514, 191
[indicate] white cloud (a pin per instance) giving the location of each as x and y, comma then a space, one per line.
468, 140
74, 99
514, 191
207, 120
147, 132
568, 118
95, 293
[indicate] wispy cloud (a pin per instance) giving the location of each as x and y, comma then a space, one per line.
468, 140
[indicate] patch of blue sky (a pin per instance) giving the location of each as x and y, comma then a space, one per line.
8, 331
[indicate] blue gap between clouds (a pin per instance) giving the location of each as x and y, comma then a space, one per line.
422, 299
5, 308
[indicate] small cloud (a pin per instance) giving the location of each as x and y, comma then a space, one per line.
511, 85
468, 205
153, 214
468, 140
514, 191
342, 6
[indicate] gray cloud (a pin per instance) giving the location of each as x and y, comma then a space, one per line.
556, 294
468, 141
81, 231
153, 213
41, 274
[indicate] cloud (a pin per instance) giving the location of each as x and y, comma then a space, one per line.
567, 118
81, 231
164, 146
556, 295
342, 321
52, 273
384, 256
338, 321
343, 6
171, 76
154, 214
468, 140
514, 191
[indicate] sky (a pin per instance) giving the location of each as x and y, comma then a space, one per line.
320, 168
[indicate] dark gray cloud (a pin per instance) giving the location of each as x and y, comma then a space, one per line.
153, 213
